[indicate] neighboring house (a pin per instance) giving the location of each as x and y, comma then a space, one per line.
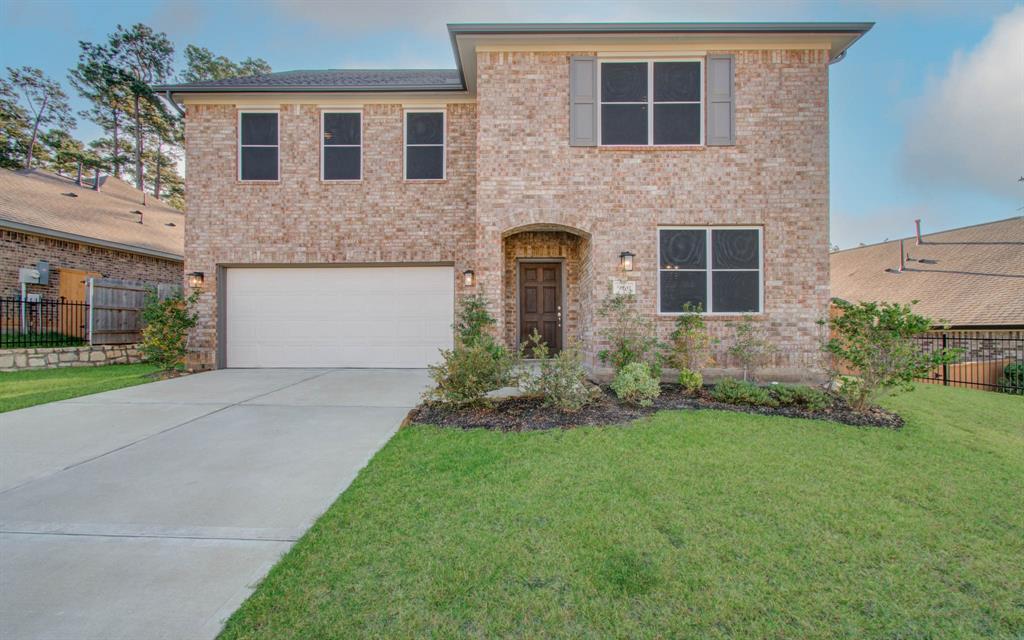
969, 280
80, 233
338, 215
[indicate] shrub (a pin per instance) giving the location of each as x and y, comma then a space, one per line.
875, 340
748, 347
562, 380
690, 380
635, 384
165, 334
1013, 379
801, 396
469, 371
732, 391
691, 345
477, 364
630, 334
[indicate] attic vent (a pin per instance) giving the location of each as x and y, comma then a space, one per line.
70, 195
140, 215
170, 224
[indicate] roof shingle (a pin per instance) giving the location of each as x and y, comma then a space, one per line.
972, 276
35, 201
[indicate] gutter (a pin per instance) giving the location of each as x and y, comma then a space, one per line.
96, 242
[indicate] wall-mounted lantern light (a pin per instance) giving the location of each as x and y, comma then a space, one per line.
468, 277
626, 260
195, 280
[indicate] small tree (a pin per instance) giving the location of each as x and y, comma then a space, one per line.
165, 336
629, 334
691, 345
474, 319
561, 380
875, 340
45, 101
749, 348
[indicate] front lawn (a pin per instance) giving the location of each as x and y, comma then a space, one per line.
686, 524
22, 389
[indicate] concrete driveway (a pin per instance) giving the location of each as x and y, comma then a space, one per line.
151, 512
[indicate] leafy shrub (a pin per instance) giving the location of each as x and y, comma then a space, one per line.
801, 396
690, 380
1013, 379
635, 384
469, 371
749, 348
165, 334
732, 391
690, 347
477, 364
630, 334
875, 341
562, 380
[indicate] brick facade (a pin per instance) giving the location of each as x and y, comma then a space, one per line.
24, 250
510, 170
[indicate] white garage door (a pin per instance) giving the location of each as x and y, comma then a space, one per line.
338, 317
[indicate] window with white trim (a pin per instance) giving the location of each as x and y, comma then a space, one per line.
258, 146
341, 153
718, 268
424, 145
652, 103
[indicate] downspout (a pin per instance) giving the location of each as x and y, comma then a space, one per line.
167, 97
838, 58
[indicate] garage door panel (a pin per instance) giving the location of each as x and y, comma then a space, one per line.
338, 317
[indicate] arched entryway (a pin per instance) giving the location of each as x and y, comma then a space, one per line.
545, 279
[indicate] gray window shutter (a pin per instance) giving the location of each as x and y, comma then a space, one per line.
721, 100
583, 101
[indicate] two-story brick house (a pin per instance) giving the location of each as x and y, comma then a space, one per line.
337, 216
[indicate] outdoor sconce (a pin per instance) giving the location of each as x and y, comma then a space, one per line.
626, 260
468, 278
195, 280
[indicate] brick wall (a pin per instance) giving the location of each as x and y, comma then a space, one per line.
382, 218
23, 250
775, 176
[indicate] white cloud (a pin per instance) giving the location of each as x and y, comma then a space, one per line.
968, 128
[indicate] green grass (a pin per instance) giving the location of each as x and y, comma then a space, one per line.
22, 389
687, 524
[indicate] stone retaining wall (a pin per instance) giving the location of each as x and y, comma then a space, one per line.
54, 357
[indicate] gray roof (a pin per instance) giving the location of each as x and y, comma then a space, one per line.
337, 80
332, 80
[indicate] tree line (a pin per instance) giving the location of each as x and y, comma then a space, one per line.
142, 139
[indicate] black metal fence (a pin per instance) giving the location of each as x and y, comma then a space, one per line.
42, 323
992, 362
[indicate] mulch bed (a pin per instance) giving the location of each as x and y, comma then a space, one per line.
526, 413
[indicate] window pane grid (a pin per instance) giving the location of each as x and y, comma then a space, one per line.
654, 131
254, 163
424, 165
713, 301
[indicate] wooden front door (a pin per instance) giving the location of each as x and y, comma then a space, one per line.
540, 302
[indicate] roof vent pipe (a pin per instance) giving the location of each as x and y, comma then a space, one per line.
902, 263
917, 224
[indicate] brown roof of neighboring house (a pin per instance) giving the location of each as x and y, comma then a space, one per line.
46, 204
972, 276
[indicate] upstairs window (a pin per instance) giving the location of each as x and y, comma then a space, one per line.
652, 103
718, 268
424, 145
258, 146
341, 151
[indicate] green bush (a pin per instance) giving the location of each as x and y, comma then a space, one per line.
732, 391
165, 334
690, 380
630, 334
801, 396
469, 371
635, 384
561, 380
476, 365
1013, 379
690, 347
749, 348
875, 340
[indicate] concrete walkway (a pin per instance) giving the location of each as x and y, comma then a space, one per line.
151, 512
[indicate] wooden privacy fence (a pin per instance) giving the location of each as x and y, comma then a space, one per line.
115, 308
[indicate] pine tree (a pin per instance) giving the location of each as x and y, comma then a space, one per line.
201, 64
43, 100
99, 81
13, 127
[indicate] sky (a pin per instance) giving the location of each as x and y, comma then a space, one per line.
926, 111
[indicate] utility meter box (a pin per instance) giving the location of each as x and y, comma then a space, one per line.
28, 275
43, 267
